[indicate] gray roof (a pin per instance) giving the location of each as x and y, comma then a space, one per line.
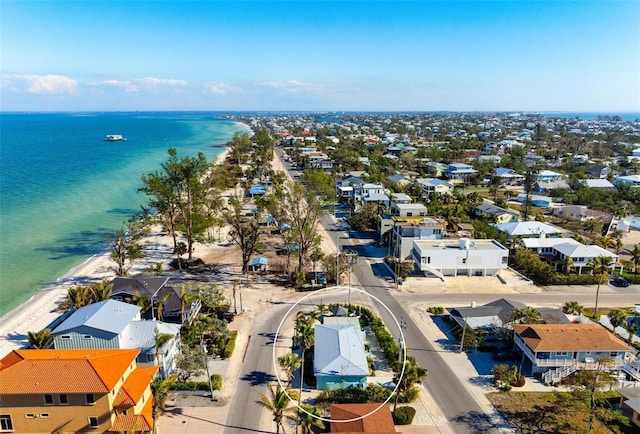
110, 315
147, 286
339, 350
143, 334
500, 309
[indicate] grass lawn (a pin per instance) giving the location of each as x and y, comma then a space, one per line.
549, 412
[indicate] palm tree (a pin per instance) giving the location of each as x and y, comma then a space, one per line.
100, 291
600, 266
185, 299
142, 301
573, 308
631, 328
306, 336
181, 249
308, 418
160, 390
617, 317
160, 306
279, 403
568, 264
526, 315
40, 340
161, 340
77, 297
290, 362
635, 256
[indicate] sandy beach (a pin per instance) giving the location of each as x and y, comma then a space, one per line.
42, 308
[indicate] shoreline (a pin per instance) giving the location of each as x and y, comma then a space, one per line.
42, 307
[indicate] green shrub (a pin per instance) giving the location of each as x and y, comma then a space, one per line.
519, 381
190, 385
230, 345
404, 415
216, 382
436, 310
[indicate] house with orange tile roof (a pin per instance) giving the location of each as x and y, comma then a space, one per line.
361, 418
100, 390
555, 351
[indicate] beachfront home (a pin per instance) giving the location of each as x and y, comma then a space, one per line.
602, 184
114, 324
408, 210
558, 350
548, 175
157, 289
75, 391
460, 257
339, 358
536, 200
580, 213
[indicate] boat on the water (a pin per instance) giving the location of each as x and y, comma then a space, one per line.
114, 138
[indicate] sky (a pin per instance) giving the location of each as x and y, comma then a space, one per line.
508, 55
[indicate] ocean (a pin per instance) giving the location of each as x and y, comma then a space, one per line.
63, 187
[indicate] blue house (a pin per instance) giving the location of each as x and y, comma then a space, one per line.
259, 264
339, 358
459, 171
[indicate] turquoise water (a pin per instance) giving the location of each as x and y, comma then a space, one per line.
63, 188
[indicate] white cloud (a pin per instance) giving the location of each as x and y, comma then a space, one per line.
216, 88
148, 84
294, 86
47, 84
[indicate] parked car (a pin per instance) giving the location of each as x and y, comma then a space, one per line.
618, 281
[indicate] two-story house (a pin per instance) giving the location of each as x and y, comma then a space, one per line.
460, 257
459, 172
75, 391
406, 230
497, 214
555, 252
433, 185
557, 350
114, 324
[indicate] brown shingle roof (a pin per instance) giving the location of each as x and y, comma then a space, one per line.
569, 337
64, 371
379, 419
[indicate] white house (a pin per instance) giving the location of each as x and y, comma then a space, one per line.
407, 230
434, 185
530, 229
460, 257
554, 251
408, 209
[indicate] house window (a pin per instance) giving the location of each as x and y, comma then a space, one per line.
65, 337
613, 354
562, 353
90, 398
87, 337
5, 423
505, 259
464, 260
44, 415
48, 399
409, 214
93, 422
30, 415
64, 399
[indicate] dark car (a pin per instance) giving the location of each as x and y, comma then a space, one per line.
620, 282
505, 355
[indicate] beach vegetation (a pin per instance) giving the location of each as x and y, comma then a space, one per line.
290, 363
406, 381
124, 247
142, 301
308, 418
245, 231
40, 340
601, 267
239, 148
213, 300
